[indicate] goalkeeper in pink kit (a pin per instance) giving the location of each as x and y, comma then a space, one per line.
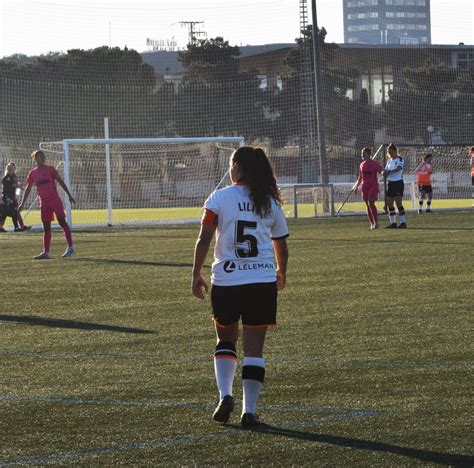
45, 178
368, 172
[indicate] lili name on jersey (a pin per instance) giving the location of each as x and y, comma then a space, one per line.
245, 206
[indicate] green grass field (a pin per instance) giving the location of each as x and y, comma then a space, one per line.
123, 216
106, 357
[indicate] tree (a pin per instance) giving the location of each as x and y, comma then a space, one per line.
364, 125
216, 98
338, 107
56, 96
435, 95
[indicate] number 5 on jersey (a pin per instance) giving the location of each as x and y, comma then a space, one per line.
243, 237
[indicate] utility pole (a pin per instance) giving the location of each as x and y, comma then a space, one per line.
307, 166
323, 166
192, 32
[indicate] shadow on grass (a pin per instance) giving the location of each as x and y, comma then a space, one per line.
121, 261
59, 323
159, 235
450, 228
377, 240
349, 442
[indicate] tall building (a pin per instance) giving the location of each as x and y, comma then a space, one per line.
387, 22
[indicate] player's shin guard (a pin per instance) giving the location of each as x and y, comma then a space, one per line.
375, 217
393, 216
253, 373
370, 215
15, 219
46, 241
225, 365
401, 214
20, 220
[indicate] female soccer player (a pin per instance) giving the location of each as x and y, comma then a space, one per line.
423, 171
9, 186
251, 232
368, 171
394, 175
45, 177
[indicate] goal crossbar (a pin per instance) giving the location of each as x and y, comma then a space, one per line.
66, 145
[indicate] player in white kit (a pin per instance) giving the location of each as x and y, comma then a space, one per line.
394, 174
251, 231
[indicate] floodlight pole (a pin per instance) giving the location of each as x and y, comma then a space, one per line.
321, 129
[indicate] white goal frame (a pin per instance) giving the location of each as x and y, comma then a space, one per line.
67, 143
326, 200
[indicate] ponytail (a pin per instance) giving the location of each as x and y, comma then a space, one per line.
259, 176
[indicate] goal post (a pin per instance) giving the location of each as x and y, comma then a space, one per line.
121, 181
307, 200
127, 181
451, 176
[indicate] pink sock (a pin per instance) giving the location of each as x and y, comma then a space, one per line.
369, 214
46, 241
67, 235
374, 214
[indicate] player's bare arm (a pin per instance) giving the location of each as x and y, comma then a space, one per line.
357, 183
65, 188
281, 254
420, 169
25, 196
391, 171
199, 284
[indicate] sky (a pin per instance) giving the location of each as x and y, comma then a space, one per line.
34, 27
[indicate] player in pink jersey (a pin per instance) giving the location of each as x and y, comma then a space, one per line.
45, 178
368, 171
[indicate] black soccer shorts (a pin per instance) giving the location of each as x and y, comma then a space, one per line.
395, 189
425, 188
255, 304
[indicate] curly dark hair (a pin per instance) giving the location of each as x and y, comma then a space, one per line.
258, 174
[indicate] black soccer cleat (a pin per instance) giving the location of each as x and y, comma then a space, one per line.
402, 226
391, 226
249, 420
224, 409
428, 210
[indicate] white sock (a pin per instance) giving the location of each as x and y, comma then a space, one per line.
225, 371
225, 365
253, 372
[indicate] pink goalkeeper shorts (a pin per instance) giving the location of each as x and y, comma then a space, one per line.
370, 193
52, 207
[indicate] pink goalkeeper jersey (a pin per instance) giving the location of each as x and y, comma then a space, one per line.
369, 171
44, 177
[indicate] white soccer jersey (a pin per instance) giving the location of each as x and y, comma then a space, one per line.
391, 165
244, 251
